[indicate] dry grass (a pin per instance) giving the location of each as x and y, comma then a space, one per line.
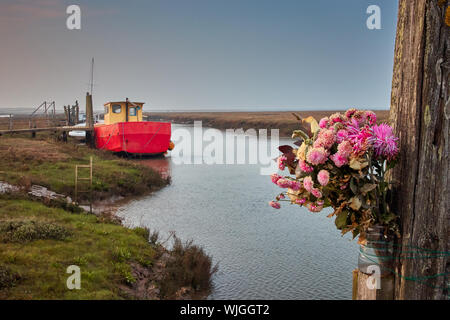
284, 121
51, 164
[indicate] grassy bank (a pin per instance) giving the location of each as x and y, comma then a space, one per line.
284, 121
38, 243
40, 240
34, 258
51, 164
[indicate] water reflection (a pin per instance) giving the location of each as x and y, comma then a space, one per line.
161, 165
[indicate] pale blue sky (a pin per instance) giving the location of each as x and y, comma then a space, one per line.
199, 54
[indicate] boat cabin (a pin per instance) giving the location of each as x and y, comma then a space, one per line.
123, 111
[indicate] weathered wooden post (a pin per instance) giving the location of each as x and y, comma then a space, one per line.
66, 113
77, 112
420, 113
89, 121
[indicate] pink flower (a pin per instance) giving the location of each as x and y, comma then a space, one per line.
305, 167
323, 123
371, 117
325, 139
308, 183
275, 177
323, 177
339, 160
314, 208
316, 193
317, 156
341, 135
334, 118
295, 185
300, 201
274, 204
384, 142
281, 196
358, 136
284, 183
343, 187
320, 203
350, 112
282, 162
345, 148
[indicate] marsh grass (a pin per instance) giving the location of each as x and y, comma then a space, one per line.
188, 266
52, 164
41, 255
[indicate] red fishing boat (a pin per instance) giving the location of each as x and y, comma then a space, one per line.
125, 131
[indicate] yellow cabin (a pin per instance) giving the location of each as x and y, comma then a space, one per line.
123, 111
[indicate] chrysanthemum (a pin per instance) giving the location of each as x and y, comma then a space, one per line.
325, 139
284, 183
275, 177
308, 183
317, 156
316, 193
341, 135
323, 177
323, 123
295, 185
358, 136
282, 162
305, 167
339, 160
384, 141
371, 117
345, 148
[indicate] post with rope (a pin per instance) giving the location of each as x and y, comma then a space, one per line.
420, 116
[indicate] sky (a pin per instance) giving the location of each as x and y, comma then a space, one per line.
198, 54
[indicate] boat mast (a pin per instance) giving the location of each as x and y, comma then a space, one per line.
92, 76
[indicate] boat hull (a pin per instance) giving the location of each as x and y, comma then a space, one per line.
134, 137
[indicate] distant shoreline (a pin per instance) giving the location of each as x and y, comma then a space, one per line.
282, 120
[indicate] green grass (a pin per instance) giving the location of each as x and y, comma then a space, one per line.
36, 269
52, 165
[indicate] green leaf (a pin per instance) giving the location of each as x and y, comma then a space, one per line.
341, 220
353, 186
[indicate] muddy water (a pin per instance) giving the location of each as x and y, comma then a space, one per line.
262, 253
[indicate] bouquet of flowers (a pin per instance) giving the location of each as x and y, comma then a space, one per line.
341, 163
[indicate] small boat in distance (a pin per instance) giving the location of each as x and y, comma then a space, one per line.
125, 131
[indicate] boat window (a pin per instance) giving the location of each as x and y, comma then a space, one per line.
132, 111
116, 108
106, 109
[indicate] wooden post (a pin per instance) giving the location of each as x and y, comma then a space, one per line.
89, 121
77, 112
10, 122
66, 113
420, 113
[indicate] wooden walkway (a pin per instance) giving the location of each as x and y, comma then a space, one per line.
64, 128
